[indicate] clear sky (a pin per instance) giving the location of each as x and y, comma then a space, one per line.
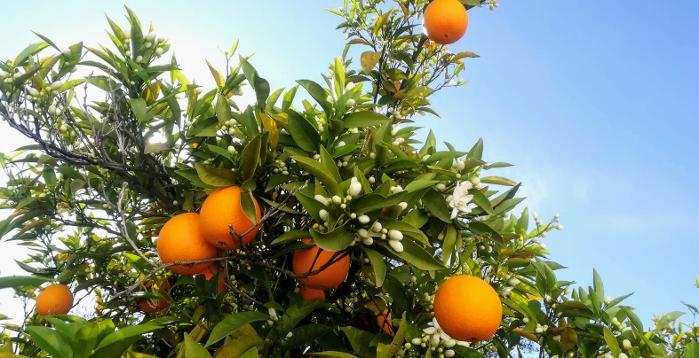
597, 106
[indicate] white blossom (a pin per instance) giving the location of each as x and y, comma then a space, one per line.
321, 199
626, 344
355, 187
364, 219
336, 199
323, 214
377, 227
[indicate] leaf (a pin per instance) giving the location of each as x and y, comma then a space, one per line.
327, 161
436, 204
30, 50
334, 241
378, 264
295, 313
116, 343
216, 177
214, 72
611, 342
333, 354
314, 167
289, 98
483, 202
231, 323
223, 110
691, 350
17, 281
303, 133
242, 343
476, 151
369, 59
388, 351
193, 349
420, 184
250, 158
360, 340
494, 179
259, 84
50, 341
291, 235
417, 256
364, 119
597, 285
318, 93
449, 244
140, 110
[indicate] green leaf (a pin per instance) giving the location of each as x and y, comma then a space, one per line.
193, 349
303, 133
50, 341
318, 93
691, 350
436, 204
251, 353
360, 340
333, 354
377, 264
250, 158
364, 119
597, 285
140, 110
260, 85
483, 202
30, 50
333, 241
476, 151
389, 350
242, 343
85, 339
216, 177
17, 281
327, 161
375, 201
416, 255
420, 184
523, 222
231, 323
289, 98
291, 235
314, 167
116, 343
295, 313
223, 110
494, 179
611, 342
449, 244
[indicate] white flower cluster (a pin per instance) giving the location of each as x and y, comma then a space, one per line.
280, 166
378, 231
434, 338
460, 199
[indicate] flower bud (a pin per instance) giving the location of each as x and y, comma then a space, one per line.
396, 245
376, 227
324, 215
626, 344
355, 189
368, 241
395, 235
364, 219
350, 102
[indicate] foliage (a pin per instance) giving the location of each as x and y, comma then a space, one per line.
124, 140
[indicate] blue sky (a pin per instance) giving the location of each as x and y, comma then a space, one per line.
597, 106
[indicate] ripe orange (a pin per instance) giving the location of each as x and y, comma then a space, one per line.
467, 308
331, 276
181, 239
223, 211
445, 21
54, 299
155, 304
310, 294
385, 322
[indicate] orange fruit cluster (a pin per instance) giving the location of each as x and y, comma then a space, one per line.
445, 21
467, 308
221, 223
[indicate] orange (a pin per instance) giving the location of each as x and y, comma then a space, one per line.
222, 212
54, 299
445, 21
385, 321
330, 277
467, 308
155, 304
310, 294
181, 239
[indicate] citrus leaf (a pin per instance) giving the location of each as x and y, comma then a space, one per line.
216, 177
232, 323
333, 241
17, 281
378, 264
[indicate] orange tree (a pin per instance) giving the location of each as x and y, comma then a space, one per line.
318, 223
